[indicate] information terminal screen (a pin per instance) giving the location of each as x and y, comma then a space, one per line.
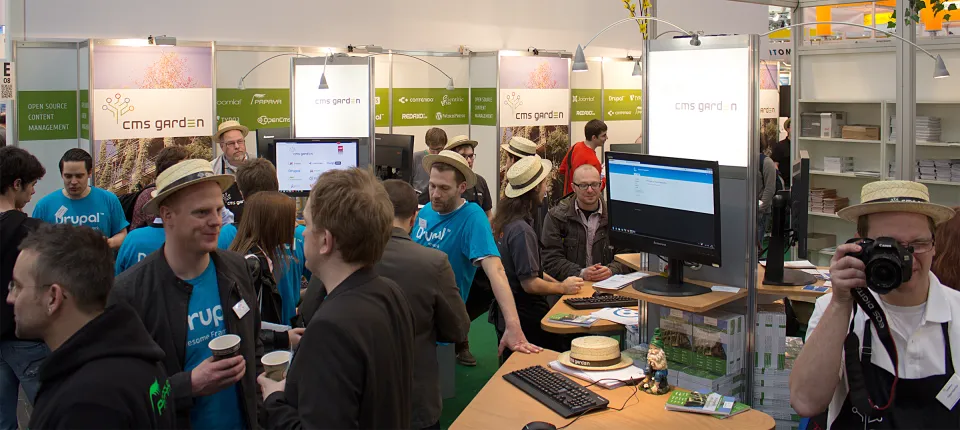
666, 206
301, 161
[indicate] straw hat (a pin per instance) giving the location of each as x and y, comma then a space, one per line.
182, 175
459, 141
227, 126
896, 196
595, 353
526, 174
453, 159
520, 146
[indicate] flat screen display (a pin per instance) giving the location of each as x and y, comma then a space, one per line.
301, 161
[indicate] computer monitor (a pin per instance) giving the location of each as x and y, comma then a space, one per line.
799, 207
265, 142
790, 224
669, 207
394, 156
301, 161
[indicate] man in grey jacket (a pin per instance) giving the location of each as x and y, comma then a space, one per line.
766, 188
426, 279
575, 237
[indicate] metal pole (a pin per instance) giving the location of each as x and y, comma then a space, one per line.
906, 110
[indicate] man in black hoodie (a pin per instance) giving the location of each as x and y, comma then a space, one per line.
104, 370
20, 359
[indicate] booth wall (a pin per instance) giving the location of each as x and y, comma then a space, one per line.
483, 75
493, 24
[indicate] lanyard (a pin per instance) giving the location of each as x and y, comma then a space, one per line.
859, 395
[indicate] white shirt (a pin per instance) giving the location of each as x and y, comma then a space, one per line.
921, 354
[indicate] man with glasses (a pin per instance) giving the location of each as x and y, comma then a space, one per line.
576, 240
901, 373
231, 137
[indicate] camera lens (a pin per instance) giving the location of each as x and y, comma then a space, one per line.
883, 274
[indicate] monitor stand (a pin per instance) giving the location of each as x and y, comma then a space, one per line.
775, 273
671, 286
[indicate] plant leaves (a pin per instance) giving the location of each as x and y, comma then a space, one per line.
946, 17
953, 6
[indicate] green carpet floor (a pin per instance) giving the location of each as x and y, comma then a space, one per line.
483, 345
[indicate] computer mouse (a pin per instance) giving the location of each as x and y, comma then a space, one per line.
600, 294
539, 425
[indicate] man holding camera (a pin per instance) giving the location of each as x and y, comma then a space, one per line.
892, 367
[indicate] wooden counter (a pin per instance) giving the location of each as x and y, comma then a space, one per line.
601, 326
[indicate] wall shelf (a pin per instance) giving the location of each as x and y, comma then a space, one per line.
841, 101
837, 140
842, 175
949, 184
936, 144
825, 215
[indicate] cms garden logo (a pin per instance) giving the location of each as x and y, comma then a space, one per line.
120, 106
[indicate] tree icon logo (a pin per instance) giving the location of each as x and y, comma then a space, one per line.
513, 100
117, 106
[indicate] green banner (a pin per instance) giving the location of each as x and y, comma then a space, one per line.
254, 107
586, 104
483, 106
382, 107
85, 114
429, 106
47, 115
622, 105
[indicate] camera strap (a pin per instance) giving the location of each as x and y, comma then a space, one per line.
859, 396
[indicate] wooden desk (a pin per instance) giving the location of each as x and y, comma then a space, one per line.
695, 304
633, 261
601, 326
500, 405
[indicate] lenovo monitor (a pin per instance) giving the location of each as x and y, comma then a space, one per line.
669, 207
301, 161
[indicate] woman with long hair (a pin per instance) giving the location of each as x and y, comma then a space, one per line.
266, 228
946, 264
520, 253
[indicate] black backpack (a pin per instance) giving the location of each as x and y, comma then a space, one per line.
779, 180
128, 202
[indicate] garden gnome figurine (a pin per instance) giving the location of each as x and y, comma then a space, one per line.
655, 379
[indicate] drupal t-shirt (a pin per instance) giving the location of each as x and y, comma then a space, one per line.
143, 241
289, 283
464, 235
100, 209
220, 410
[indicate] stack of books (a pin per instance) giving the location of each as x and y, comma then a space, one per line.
944, 170
955, 170
833, 204
927, 170
926, 129
820, 197
771, 374
838, 164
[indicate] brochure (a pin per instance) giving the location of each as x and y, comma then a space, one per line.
700, 403
578, 320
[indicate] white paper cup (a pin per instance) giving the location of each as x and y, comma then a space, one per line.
225, 346
275, 363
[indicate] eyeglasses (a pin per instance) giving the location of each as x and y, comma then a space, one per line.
919, 246
236, 143
470, 156
584, 187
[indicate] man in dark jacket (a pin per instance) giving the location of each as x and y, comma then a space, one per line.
575, 239
354, 365
104, 371
188, 293
20, 359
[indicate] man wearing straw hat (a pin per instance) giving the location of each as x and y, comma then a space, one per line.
462, 231
189, 293
518, 244
900, 373
231, 137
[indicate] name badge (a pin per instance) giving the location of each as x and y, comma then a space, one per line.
950, 392
241, 308
423, 224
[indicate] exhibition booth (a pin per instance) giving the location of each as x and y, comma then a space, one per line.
696, 104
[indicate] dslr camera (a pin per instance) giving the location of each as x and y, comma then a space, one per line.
889, 264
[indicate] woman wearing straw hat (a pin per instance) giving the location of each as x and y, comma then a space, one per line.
895, 374
519, 247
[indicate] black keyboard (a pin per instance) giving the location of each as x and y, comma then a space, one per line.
600, 302
556, 391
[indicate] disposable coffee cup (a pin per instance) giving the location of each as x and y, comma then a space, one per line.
225, 346
275, 363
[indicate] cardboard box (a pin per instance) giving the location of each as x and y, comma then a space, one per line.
822, 124
861, 132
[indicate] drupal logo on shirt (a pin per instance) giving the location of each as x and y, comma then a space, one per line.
430, 237
210, 316
62, 218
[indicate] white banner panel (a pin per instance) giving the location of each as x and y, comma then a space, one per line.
689, 102
533, 107
149, 113
343, 110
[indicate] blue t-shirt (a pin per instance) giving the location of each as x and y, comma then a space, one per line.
293, 271
143, 241
464, 235
204, 323
100, 210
